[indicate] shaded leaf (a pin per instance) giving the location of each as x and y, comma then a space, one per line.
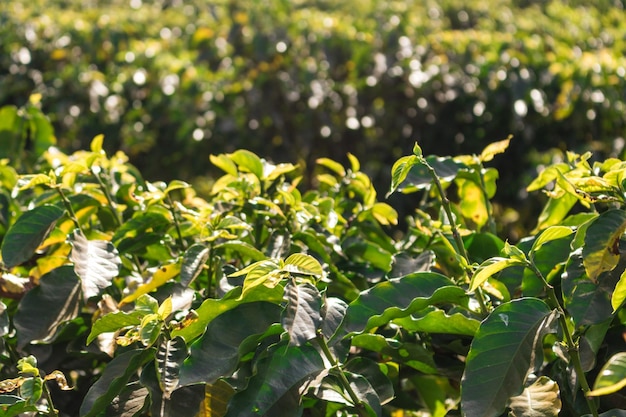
506, 348
372, 373
301, 317
43, 309
276, 375
588, 302
193, 261
333, 312
113, 380
541, 399
216, 398
12, 406
405, 264
184, 402
216, 354
96, 262
27, 233
243, 248
130, 402
612, 377
601, 251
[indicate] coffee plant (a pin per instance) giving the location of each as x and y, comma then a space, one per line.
125, 297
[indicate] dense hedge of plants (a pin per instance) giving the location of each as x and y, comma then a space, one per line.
126, 297
168, 80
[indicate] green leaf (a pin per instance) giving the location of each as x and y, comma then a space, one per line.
216, 354
243, 248
301, 317
14, 406
44, 308
193, 262
113, 322
541, 399
619, 294
277, 374
162, 275
170, 355
300, 263
400, 170
600, 251
437, 321
507, 347
368, 252
96, 262
588, 302
184, 402
334, 166
28, 232
555, 210
610, 413
248, 161
113, 380
211, 308
419, 176
371, 371
413, 355
494, 149
399, 297
548, 235
224, 163
491, 267
216, 398
130, 402
612, 377
31, 389
176, 185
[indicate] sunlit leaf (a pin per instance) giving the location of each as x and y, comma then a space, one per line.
507, 347
619, 294
301, 263
397, 298
169, 358
612, 376
248, 161
438, 321
400, 170
541, 399
28, 232
494, 149
491, 267
162, 275
334, 166
216, 398
96, 262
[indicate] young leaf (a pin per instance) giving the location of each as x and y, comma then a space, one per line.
44, 308
96, 262
248, 161
400, 170
541, 399
216, 353
28, 232
491, 267
548, 235
113, 380
437, 321
277, 374
398, 297
301, 317
193, 261
159, 278
506, 348
169, 357
601, 251
299, 263
334, 166
494, 149
612, 377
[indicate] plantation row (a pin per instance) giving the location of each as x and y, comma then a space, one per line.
298, 80
126, 297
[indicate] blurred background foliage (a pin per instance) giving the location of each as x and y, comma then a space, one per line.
171, 81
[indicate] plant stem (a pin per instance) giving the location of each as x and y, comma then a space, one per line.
179, 235
572, 346
52, 412
344, 381
70, 210
445, 202
107, 195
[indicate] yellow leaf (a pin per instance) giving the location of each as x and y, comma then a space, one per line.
494, 149
160, 277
